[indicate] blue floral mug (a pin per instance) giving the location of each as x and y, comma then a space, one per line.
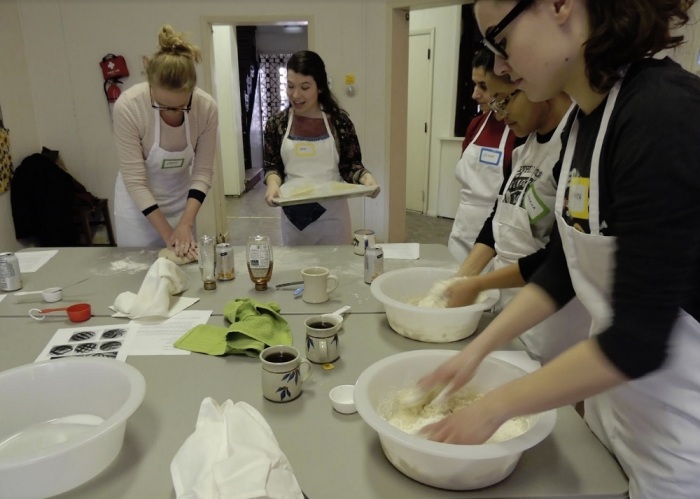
322, 338
284, 371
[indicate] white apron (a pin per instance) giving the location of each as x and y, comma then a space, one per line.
651, 424
168, 175
480, 171
317, 159
522, 227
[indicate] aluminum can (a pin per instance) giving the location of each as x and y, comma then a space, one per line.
224, 262
10, 276
374, 263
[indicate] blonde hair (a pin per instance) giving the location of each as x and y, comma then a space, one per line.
173, 66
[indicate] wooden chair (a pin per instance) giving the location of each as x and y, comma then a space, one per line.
89, 218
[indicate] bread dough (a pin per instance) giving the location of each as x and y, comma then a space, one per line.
169, 254
412, 418
436, 296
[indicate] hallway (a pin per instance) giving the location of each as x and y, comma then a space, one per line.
248, 214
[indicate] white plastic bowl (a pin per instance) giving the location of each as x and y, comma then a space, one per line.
62, 422
342, 399
447, 466
435, 325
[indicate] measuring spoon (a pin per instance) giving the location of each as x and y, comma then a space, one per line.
49, 295
80, 312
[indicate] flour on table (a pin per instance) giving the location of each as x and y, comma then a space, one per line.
411, 419
129, 265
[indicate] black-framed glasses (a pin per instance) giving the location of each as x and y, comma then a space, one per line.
491, 34
184, 109
499, 106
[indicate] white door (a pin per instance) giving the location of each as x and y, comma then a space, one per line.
420, 96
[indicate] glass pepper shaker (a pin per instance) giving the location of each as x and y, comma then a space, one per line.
207, 261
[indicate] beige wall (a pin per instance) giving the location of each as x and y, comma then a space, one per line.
17, 108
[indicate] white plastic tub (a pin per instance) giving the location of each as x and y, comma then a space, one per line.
447, 466
62, 422
395, 289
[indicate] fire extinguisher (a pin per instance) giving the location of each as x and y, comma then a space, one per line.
112, 92
113, 67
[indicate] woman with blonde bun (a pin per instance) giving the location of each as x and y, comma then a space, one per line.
166, 132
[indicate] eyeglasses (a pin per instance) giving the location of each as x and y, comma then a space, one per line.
499, 106
490, 37
184, 109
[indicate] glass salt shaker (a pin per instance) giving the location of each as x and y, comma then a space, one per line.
207, 261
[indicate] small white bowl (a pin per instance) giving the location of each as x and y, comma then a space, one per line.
343, 400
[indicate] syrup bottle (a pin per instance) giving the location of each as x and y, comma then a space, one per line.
259, 259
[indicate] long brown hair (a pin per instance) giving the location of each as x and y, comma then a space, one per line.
625, 31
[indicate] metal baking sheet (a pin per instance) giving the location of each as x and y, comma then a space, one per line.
302, 191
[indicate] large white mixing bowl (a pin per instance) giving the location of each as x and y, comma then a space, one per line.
62, 422
447, 466
435, 325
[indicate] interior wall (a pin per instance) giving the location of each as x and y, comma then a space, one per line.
17, 109
446, 22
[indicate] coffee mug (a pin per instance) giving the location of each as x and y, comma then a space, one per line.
283, 372
318, 282
361, 239
322, 338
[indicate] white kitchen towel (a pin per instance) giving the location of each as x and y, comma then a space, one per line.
156, 295
232, 454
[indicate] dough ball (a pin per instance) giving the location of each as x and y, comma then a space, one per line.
170, 255
436, 296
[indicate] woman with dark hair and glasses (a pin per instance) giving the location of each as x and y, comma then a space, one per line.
485, 162
166, 131
312, 138
628, 218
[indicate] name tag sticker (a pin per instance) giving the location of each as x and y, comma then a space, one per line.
578, 197
173, 163
490, 156
536, 208
305, 149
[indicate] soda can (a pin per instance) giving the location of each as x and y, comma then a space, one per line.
10, 276
374, 263
224, 262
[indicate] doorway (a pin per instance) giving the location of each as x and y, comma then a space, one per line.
420, 97
238, 92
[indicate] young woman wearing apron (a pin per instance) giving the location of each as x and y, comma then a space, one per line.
168, 175
644, 422
314, 223
480, 172
521, 227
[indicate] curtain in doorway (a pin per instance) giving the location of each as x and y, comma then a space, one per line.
273, 84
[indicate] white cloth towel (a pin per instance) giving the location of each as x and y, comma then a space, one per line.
155, 297
232, 454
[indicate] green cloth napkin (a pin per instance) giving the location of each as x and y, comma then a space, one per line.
254, 326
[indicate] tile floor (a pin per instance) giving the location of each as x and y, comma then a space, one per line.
249, 214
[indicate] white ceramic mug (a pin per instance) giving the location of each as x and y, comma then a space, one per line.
322, 338
318, 282
361, 239
284, 371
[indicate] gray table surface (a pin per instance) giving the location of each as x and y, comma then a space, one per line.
111, 271
333, 455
